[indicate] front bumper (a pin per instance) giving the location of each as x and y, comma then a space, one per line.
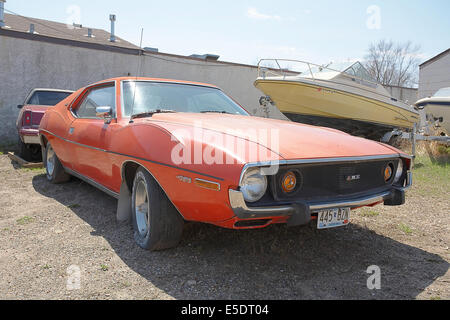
300, 213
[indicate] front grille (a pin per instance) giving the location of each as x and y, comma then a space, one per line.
319, 181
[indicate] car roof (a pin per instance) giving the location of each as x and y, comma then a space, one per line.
53, 90
158, 80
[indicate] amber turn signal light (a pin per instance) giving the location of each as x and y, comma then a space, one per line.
289, 182
388, 171
207, 184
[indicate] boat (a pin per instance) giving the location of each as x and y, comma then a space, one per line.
343, 97
437, 108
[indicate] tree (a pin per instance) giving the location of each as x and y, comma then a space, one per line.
393, 64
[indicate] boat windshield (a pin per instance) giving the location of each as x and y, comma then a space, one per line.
444, 92
358, 70
141, 97
353, 69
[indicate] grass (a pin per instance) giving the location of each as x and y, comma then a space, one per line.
365, 212
406, 229
431, 176
25, 220
443, 150
104, 267
124, 284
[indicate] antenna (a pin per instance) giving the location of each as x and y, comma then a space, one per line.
137, 75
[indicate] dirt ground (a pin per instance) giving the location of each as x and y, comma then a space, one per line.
63, 242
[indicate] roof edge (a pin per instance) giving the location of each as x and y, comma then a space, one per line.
440, 55
69, 42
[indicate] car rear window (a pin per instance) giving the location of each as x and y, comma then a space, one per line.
47, 98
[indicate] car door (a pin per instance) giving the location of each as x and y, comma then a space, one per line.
90, 135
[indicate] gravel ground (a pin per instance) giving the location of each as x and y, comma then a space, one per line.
50, 232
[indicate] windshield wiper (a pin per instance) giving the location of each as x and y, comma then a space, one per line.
215, 111
151, 113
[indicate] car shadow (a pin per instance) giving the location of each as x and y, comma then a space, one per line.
272, 263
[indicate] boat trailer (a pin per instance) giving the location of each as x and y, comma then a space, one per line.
414, 136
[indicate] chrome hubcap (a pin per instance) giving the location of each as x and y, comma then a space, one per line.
50, 160
141, 208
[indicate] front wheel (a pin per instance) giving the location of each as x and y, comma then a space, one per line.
54, 169
156, 222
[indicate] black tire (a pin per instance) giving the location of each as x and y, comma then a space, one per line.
163, 223
55, 172
395, 141
24, 151
36, 153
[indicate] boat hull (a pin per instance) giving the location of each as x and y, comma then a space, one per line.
437, 109
317, 101
354, 127
439, 112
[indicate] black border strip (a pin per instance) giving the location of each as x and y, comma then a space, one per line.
133, 157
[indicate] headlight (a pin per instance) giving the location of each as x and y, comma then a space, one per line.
399, 172
253, 185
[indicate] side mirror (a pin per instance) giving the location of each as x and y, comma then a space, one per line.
19, 106
105, 113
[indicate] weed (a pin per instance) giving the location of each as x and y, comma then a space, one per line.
25, 220
406, 229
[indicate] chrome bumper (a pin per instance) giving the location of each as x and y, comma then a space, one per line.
31, 139
243, 211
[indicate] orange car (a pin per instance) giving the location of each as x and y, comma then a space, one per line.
173, 151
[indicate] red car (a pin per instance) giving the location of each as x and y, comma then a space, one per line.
30, 115
174, 151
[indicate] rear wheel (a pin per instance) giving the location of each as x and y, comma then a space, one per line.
24, 151
55, 171
36, 153
156, 222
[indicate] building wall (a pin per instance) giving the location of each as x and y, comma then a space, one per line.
408, 95
434, 76
27, 64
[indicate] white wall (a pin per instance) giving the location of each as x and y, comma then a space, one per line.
434, 76
408, 95
27, 64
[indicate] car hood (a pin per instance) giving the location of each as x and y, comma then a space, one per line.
290, 140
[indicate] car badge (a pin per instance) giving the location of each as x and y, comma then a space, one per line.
353, 178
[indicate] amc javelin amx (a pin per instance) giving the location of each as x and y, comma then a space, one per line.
174, 151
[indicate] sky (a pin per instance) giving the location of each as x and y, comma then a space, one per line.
245, 31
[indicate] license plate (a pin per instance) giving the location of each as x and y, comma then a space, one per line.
333, 218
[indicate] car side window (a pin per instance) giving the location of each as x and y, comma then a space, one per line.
34, 99
97, 97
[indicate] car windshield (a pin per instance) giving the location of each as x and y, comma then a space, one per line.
47, 98
444, 92
145, 96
